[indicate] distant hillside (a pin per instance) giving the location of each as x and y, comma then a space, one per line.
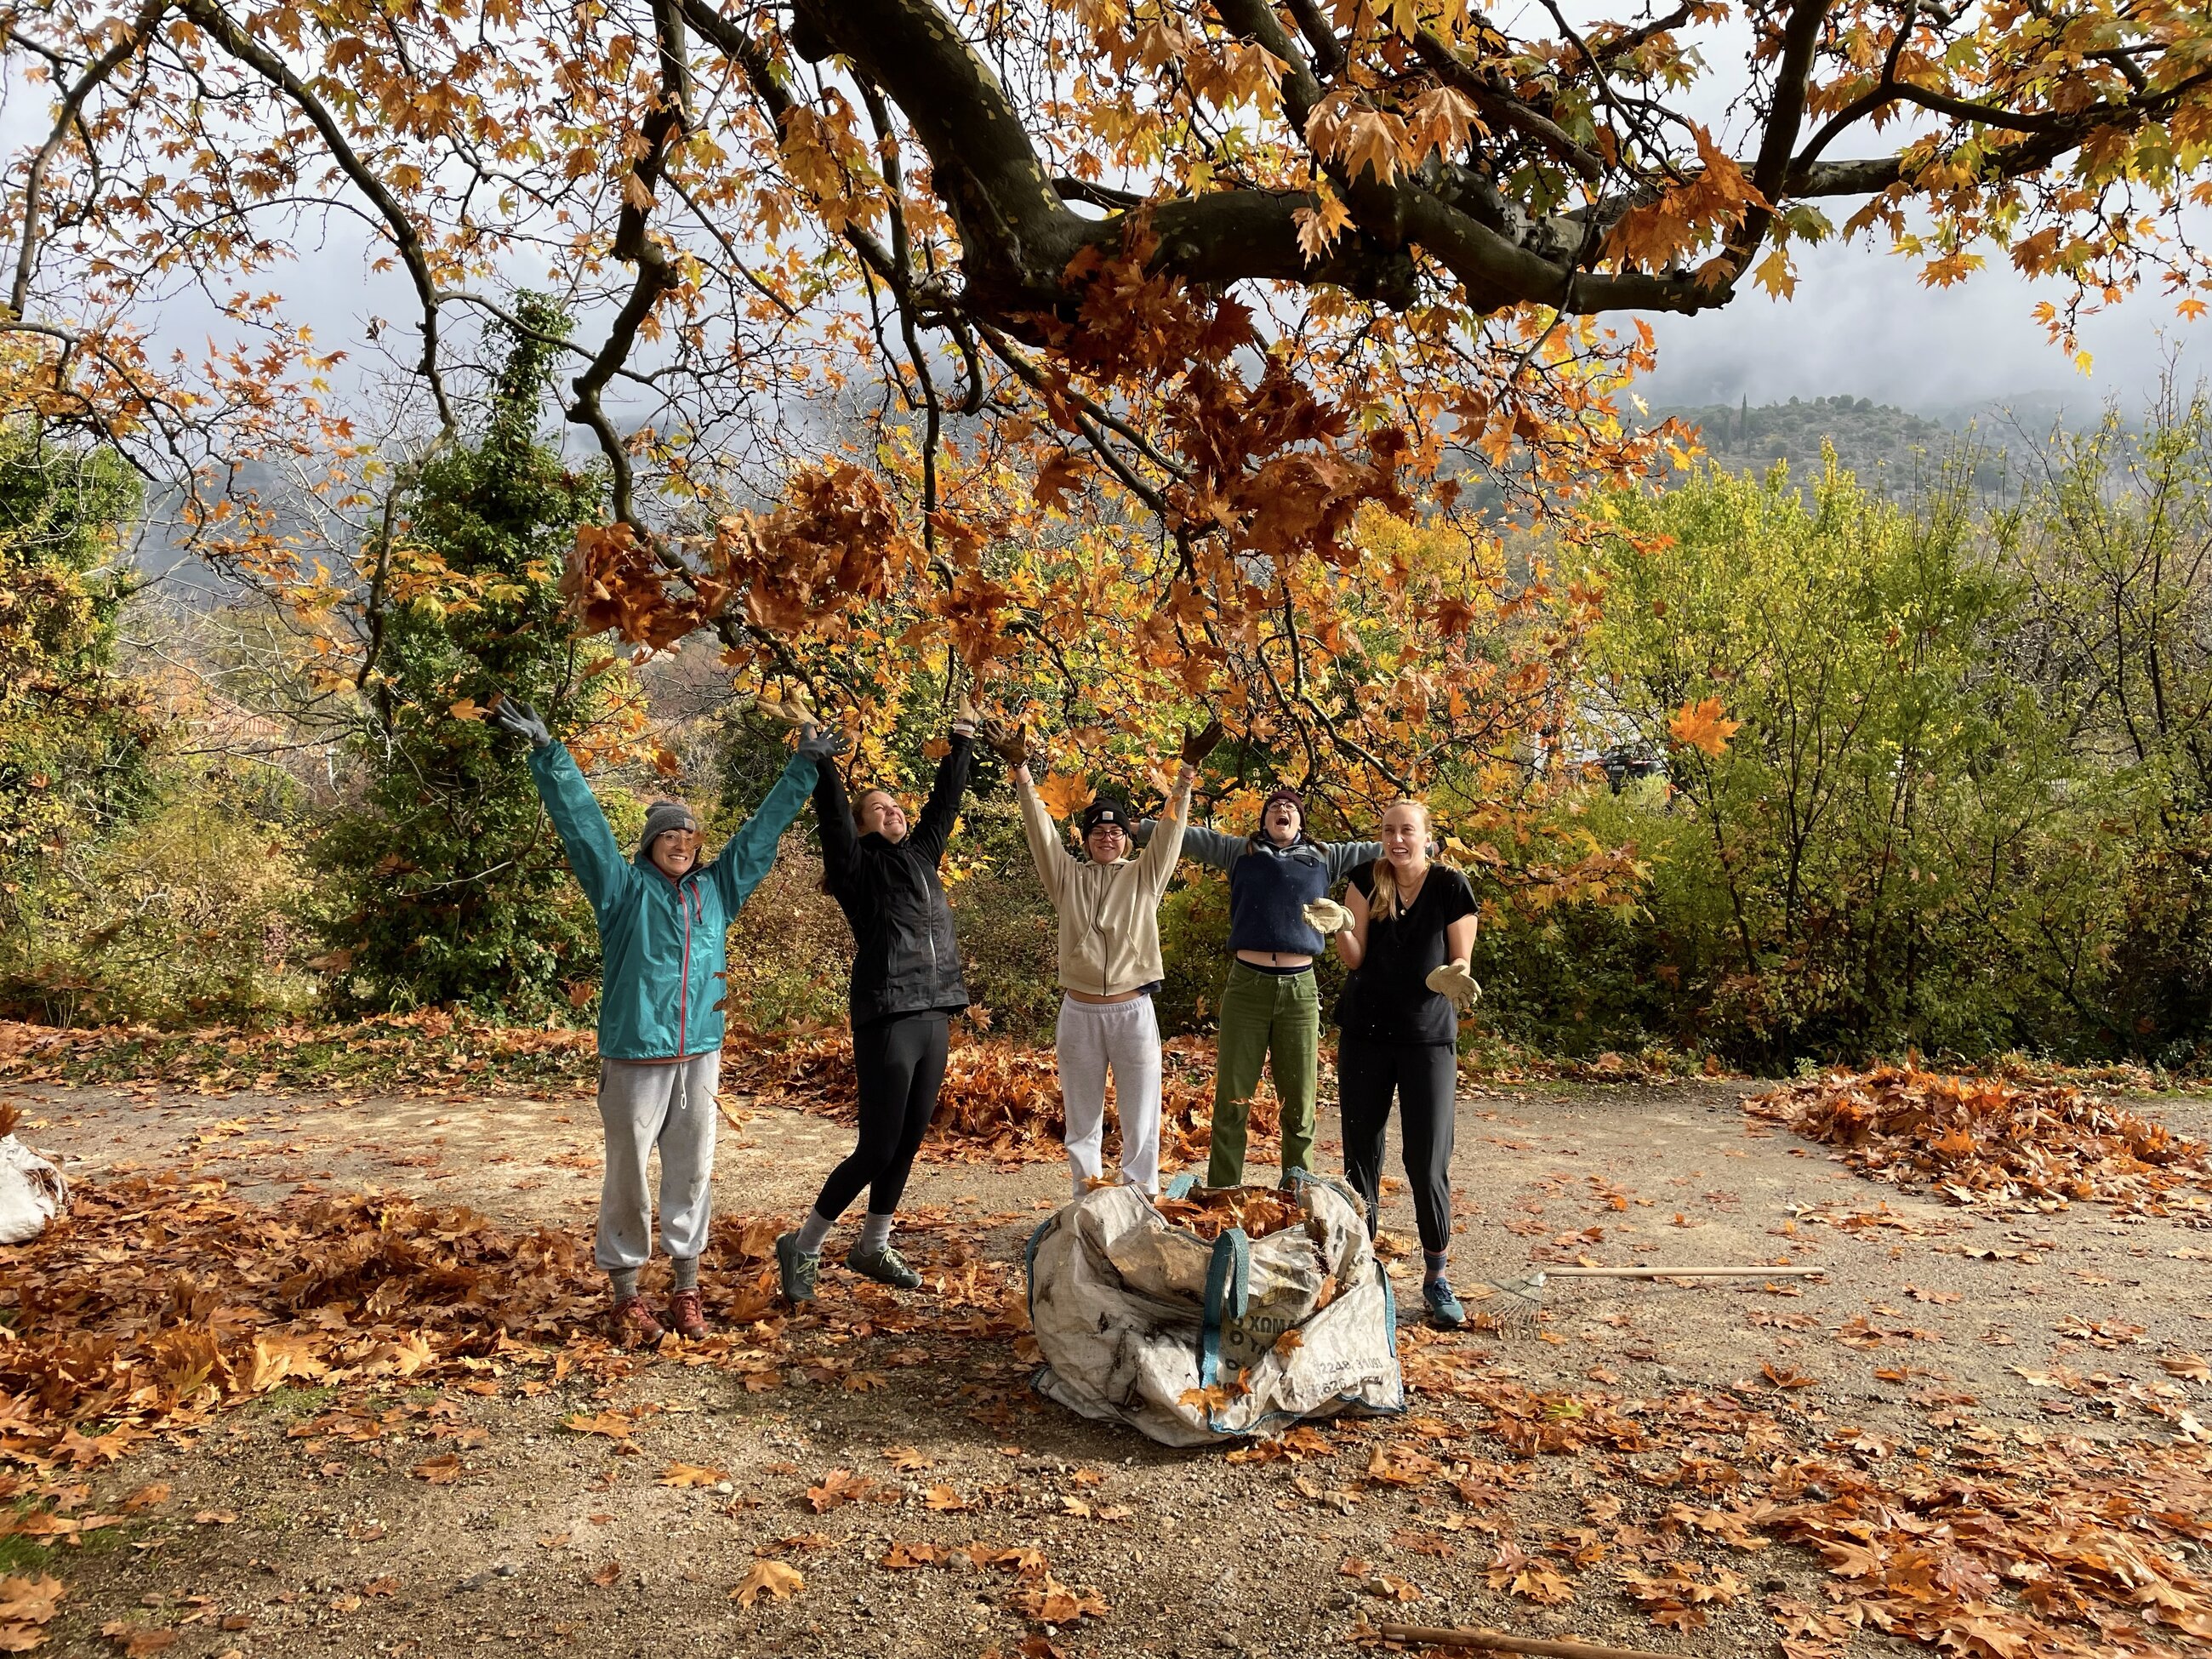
1889, 448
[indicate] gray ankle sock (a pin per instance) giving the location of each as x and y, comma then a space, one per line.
876, 1230
687, 1272
1432, 1263
812, 1230
624, 1280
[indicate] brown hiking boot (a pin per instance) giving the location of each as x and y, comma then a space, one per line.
631, 1324
687, 1315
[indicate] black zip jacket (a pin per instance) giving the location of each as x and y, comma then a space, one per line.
905, 959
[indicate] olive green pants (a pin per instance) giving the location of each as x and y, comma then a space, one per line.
1264, 1016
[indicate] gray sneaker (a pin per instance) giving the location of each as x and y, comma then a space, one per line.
885, 1266
796, 1268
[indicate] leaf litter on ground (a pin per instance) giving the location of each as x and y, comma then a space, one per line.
1987, 1141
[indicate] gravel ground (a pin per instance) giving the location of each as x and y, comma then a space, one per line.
976, 1518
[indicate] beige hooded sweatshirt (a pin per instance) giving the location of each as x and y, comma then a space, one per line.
1109, 913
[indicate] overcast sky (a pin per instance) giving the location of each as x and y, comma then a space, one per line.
1861, 323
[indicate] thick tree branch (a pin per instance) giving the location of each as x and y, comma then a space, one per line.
125, 46
215, 23
1501, 105
634, 244
1770, 172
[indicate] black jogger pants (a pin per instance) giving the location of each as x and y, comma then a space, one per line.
899, 1063
1424, 1078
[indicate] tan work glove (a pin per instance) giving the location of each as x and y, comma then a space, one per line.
792, 710
1452, 980
1327, 917
963, 719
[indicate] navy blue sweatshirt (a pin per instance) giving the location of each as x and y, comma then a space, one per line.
1270, 886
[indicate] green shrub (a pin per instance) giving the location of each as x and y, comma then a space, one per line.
188, 915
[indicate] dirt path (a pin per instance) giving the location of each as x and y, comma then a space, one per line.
289, 1529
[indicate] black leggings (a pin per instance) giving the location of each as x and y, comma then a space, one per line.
1425, 1076
900, 1062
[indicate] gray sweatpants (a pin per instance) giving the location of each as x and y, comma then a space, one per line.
1124, 1037
669, 1106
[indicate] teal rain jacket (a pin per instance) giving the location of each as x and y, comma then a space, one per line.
663, 942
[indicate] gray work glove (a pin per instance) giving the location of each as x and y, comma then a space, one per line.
521, 719
1327, 917
821, 744
1452, 980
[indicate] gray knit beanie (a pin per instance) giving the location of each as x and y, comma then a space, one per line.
662, 817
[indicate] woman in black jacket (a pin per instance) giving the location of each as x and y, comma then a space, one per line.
906, 987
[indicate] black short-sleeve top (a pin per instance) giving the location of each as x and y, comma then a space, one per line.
1385, 999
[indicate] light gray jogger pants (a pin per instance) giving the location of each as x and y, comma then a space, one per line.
1124, 1037
669, 1106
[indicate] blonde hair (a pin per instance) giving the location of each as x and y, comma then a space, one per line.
1384, 900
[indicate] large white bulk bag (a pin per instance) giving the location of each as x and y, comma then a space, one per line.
1143, 1321
32, 1192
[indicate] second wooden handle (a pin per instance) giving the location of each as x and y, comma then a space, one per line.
1675, 1273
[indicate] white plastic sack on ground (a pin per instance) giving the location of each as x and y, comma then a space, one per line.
1146, 1323
32, 1192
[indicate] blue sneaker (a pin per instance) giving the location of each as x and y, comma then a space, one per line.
1444, 1308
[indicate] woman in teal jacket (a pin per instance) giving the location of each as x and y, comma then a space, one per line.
664, 920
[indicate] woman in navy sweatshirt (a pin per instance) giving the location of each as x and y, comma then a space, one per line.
1278, 912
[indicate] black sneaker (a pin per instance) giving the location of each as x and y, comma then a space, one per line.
796, 1267
885, 1266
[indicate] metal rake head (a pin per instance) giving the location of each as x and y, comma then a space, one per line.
1514, 1306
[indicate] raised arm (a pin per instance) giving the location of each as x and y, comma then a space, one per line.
935, 828
1165, 846
600, 868
1046, 851
751, 851
1210, 847
1345, 856
1157, 862
841, 845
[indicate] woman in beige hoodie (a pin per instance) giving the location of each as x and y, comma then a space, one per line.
1110, 960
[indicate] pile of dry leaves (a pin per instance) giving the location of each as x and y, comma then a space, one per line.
1000, 1100
156, 1302
1981, 1139
1212, 1212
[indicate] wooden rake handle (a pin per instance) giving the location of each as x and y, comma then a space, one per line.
1498, 1642
1674, 1272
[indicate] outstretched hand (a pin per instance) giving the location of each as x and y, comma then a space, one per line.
1197, 746
521, 719
964, 718
820, 743
1452, 980
1010, 743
